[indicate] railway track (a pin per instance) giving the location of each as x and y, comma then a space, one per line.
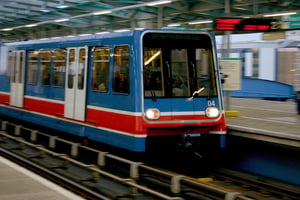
96, 174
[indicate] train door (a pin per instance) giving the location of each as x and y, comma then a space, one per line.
16, 63
76, 83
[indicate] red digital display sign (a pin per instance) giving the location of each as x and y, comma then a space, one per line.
250, 24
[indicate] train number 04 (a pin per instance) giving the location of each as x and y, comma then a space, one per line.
211, 103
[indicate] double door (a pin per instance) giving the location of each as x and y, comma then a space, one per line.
76, 83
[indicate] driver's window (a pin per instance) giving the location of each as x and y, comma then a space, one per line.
204, 71
153, 73
179, 64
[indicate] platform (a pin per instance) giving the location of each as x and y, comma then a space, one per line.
275, 119
17, 183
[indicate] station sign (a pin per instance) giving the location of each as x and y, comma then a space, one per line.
291, 21
248, 24
231, 73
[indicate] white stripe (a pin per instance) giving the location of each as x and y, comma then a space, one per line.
45, 99
115, 111
7, 93
182, 113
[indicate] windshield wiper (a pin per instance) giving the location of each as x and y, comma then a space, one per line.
196, 92
153, 95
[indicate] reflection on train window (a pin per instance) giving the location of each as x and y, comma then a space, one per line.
121, 69
204, 72
180, 73
153, 73
45, 61
59, 67
81, 68
100, 68
71, 72
32, 67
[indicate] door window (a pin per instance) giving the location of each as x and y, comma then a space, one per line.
121, 69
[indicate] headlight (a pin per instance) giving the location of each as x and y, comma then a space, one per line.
152, 113
212, 112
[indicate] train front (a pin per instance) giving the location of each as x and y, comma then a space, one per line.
182, 101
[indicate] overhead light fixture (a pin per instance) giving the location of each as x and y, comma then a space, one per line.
175, 24
62, 20
30, 25
45, 10
201, 22
280, 14
6, 29
62, 6
155, 3
102, 12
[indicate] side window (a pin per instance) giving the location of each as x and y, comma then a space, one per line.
59, 68
22, 66
32, 67
121, 69
45, 62
10, 75
100, 68
81, 68
71, 72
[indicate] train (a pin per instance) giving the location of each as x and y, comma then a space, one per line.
132, 90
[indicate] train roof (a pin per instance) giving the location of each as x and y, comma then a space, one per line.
106, 35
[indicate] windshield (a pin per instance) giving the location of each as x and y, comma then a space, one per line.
178, 65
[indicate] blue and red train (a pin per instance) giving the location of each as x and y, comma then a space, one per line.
121, 89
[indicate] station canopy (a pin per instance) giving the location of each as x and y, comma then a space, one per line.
36, 19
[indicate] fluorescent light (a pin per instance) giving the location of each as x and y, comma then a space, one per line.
30, 25
6, 29
62, 6
279, 14
155, 3
62, 20
45, 10
102, 12
175, 24
201, 22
